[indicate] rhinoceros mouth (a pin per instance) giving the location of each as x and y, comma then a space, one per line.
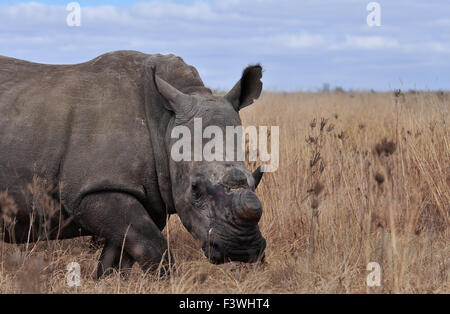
219, 253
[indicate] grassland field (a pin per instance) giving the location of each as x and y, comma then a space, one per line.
363, 177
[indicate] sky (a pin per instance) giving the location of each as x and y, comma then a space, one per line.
301, 44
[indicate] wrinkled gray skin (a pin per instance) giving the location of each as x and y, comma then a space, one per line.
98, 133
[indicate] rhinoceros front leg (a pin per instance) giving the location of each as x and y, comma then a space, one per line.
123, 221
114, 258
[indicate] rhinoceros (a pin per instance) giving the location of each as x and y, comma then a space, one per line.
99, 135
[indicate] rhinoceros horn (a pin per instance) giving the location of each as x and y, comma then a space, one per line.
249, 207
257, 175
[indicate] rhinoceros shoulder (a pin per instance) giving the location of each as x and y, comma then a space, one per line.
169, 67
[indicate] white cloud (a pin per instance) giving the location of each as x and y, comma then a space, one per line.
304, 40
197, 10
365, 42
31, 14
433, 47
442, 22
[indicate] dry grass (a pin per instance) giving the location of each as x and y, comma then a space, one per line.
363, 177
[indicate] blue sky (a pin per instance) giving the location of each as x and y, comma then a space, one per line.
301, 44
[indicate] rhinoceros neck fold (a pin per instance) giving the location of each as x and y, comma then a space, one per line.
159, 120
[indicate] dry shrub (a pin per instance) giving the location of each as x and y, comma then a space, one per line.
8, 212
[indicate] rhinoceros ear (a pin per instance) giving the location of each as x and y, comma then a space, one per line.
178, 102
247, 89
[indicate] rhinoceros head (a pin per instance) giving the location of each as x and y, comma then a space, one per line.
216, 199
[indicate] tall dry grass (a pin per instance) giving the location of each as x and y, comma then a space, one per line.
363, 177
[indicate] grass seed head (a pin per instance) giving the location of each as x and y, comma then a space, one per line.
379, 177
385, 147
